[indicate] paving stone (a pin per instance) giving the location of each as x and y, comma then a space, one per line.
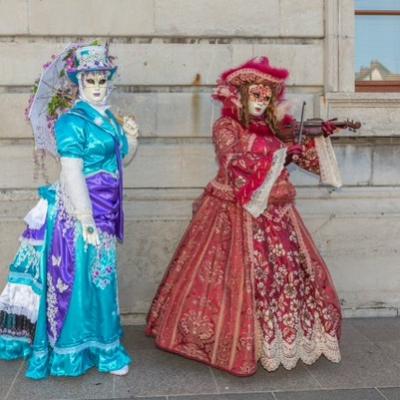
143, 398
391, 349
353, 340
135, 398
230, 396
8, 371
93, 385
391, 393
365, 366
135, 339
357, 370
356, 394
262, 381
158, 373
149, 398
379, 329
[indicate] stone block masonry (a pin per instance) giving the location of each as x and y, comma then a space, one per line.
170, 53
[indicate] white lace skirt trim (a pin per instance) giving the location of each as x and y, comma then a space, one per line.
20, 299
308, 350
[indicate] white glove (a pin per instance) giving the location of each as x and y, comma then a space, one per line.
132, 132
130, 127
76, 197
89, 230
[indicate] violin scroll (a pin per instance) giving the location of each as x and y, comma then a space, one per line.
352, 125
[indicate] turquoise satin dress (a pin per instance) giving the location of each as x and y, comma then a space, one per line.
90, 333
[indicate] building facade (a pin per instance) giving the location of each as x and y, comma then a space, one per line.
170, 53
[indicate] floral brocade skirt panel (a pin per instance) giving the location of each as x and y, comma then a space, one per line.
89, 333
204, 308
298, 312
241, 290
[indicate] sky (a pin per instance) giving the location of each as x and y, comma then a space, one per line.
378, 37
377, 4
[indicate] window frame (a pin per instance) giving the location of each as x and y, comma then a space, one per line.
377, 86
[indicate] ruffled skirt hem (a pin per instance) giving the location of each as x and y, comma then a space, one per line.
42, 363
14, 348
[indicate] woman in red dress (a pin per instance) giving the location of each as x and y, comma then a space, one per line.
247, 283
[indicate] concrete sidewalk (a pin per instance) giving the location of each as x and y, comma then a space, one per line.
370, 370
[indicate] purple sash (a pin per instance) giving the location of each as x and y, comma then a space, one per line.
106, 198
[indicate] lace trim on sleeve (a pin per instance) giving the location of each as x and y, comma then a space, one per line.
329, 170
36, 217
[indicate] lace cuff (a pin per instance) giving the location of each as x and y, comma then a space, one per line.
36, 217
329, 170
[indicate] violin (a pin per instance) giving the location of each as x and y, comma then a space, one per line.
314, 127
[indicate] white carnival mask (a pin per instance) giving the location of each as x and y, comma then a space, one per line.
259, 99
95, 87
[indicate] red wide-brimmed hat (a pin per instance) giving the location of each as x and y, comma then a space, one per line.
257, 71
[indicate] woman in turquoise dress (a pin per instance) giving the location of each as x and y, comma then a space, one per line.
60, 309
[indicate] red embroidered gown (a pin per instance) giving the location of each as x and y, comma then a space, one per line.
246, 285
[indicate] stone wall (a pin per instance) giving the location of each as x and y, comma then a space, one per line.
170, 53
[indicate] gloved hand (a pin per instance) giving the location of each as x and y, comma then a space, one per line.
293, 153
130, 127
89, 231
76, 197
132, 131
328, 128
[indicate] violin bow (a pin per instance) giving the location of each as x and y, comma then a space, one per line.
300, 134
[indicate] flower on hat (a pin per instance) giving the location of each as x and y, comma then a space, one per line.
89, 58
